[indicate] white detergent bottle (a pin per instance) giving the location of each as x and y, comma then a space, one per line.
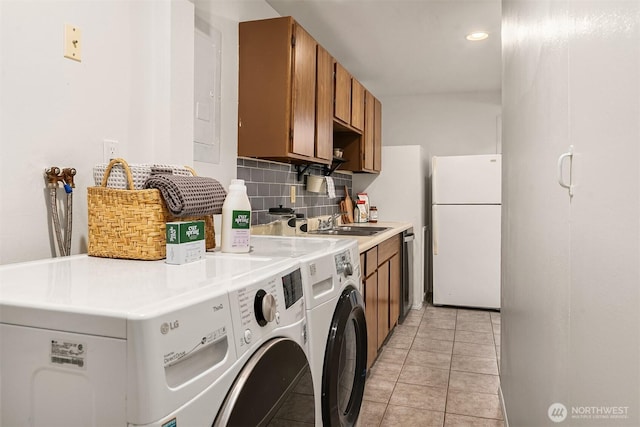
236, 219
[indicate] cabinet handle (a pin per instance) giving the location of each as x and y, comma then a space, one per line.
561, 161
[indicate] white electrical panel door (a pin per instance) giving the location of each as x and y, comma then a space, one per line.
466, 255
206, 109
467, 179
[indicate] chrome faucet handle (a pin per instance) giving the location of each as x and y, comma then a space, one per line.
324, 224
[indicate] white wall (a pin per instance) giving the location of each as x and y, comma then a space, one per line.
134, 85
444, 124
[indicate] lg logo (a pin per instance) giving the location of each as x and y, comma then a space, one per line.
557, 412
166, 327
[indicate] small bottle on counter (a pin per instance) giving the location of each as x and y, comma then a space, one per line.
236, 219
373, 214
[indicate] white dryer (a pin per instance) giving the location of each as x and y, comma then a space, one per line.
102, 342
331, 277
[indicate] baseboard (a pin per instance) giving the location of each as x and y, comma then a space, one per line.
504, 409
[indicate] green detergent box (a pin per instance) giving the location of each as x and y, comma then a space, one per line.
185, 242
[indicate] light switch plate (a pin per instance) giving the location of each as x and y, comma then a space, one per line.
72, 42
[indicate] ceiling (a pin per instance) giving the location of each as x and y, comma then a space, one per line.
407, 47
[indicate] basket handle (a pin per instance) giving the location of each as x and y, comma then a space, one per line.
127, 171
192, 170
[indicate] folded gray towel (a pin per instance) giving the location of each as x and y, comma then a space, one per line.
189, 195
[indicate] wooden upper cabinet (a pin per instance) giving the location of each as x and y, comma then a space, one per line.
349, 99
295, 102
377, 136
277, 92
342, 109
369, 126
303, 116
372, 139
324, 104
357, 104
364, 152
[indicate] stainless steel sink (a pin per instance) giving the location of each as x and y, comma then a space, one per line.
345, 230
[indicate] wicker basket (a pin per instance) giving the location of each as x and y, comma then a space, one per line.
131, 223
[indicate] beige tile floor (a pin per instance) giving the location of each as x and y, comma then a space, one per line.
439, 368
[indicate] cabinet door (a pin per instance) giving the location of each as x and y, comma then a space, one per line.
535, 250
371, 261
324, 105
357, 104
570, 264
377, 135
369, 120
383, 302
342, 108
264, 88
304, 94
395, 278
604, 325
371, 315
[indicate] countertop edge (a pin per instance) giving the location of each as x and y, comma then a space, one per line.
368, 242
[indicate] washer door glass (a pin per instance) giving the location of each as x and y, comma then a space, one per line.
345, 361
273, 388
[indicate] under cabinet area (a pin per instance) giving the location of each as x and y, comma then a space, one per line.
381, 277
364, 152
296, 103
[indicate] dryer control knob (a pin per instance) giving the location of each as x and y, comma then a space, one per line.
247, 336
348, 269
264, 306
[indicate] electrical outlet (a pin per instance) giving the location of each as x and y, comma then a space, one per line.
110, 150
292, 194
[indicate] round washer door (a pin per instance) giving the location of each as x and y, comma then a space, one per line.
274, 378
345, 361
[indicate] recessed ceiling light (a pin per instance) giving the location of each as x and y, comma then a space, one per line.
477, 36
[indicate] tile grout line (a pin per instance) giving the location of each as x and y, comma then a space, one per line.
446, 400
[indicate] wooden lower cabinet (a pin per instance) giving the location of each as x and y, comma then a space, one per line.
371, 316
395, 279
383, 302
381, 286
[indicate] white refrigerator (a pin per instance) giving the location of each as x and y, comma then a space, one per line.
466, 230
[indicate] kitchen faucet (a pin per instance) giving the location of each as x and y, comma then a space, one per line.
330, 223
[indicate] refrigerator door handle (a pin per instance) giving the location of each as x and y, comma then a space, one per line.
434, 232
561, 159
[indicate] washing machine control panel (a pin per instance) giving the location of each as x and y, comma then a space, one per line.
343, 263
264, 306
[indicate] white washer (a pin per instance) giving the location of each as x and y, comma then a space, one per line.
337, 327
104, 342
